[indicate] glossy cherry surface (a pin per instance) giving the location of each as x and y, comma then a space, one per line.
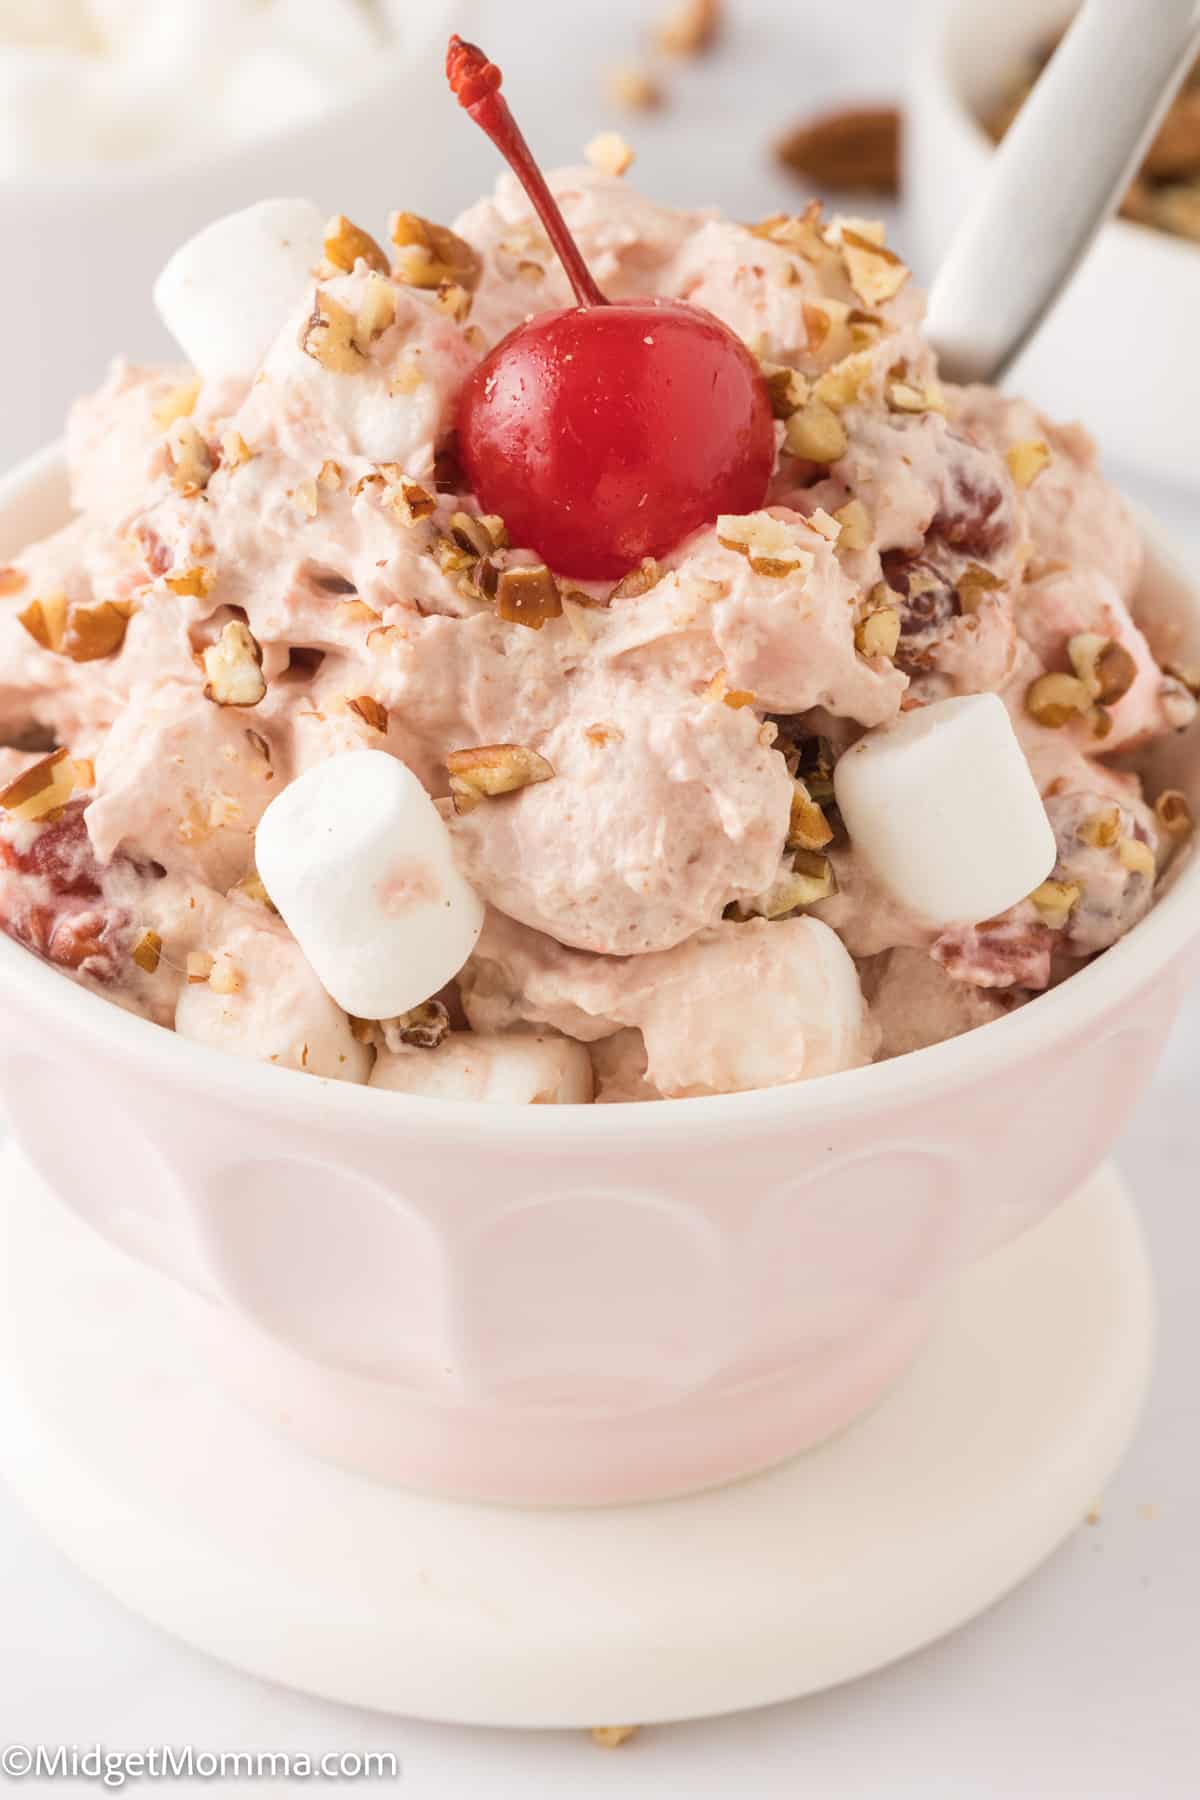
602, 435
605, 432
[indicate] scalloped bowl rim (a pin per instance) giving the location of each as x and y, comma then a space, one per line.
1159, 939
934, 67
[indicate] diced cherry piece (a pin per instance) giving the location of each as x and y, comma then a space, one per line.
975, 516
55, 903
62, 852
608, 431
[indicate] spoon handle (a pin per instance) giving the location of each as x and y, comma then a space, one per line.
1059, 173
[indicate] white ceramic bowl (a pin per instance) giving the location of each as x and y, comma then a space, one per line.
1120, 348
579, 1303
82, 251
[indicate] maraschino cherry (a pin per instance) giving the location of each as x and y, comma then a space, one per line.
606, 432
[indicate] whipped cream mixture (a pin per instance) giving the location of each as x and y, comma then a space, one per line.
266, 572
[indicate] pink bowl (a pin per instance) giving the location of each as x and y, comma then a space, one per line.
579, 1303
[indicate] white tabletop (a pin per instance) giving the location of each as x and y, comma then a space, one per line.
1082, 1684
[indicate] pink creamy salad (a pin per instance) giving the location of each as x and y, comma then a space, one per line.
263, 574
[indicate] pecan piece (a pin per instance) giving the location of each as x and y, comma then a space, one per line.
40, 792
329, 335
528, 596
233, 666
489, 770
854, 150
347, 243
429, 254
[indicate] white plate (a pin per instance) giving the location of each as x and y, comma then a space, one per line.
972, 1470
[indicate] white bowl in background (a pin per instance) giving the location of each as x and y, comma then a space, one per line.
81, 252
581, 1303
1120, 350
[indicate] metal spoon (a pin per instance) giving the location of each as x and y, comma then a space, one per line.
1058, 175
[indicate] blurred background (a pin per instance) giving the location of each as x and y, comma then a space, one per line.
127, 124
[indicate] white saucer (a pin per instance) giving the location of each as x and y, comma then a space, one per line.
989, 1452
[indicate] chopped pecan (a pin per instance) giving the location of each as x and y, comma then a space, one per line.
329, 335
816, 434
191, 458
609, 153
1026, 460
370, 712
233, 667
147, 951
429, 254
347, 243
635, 88
1173, 813
1054, 700
488, 770
40, 792
876, 273
528, 596
853, 150
421, 1028
689, 27
84, 633
639, 581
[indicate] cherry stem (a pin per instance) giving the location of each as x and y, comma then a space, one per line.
476, 83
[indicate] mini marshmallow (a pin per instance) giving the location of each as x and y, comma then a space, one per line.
355, 856
518, 1069
225, 294
943, 807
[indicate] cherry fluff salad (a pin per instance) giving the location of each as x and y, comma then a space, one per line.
582, 653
